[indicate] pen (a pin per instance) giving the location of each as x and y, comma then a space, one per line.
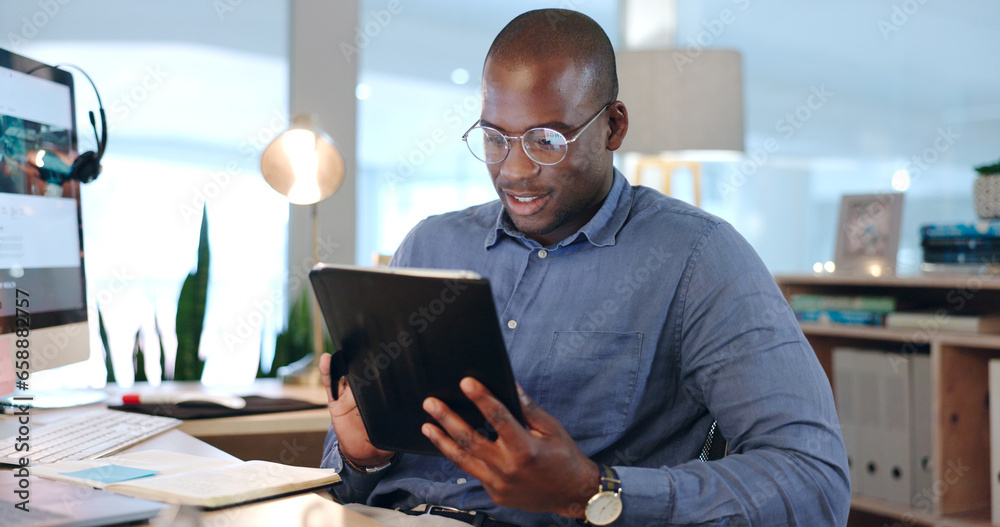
229, 401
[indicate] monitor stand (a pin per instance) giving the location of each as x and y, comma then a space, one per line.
55, 398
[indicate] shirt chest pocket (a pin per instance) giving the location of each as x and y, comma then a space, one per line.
589, 380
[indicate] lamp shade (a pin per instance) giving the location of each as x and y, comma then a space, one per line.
303, 163
679, 102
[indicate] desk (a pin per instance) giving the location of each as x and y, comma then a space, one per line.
304, 509
292, 438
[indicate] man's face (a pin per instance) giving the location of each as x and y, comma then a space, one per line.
548, 203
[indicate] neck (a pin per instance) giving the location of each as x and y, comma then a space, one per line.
579, 220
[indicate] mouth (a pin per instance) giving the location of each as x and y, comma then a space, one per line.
525, 204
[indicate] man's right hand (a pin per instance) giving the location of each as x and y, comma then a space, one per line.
347, 424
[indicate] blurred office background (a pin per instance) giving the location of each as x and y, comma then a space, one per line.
195, 90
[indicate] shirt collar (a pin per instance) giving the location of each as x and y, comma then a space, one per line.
599, 231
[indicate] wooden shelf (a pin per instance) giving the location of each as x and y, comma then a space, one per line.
917, 281
960, 420
916, 336
971, 292
891, 510
858, 332
869, 507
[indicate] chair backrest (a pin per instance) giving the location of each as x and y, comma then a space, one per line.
716, 446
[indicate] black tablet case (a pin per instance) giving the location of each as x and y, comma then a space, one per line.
400, 338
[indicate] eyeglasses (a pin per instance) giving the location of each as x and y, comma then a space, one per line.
544, 146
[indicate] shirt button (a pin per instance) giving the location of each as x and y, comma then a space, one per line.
512, 324
460, 481
542, 253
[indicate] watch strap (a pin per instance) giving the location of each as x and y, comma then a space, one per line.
609, 480
366, 469
609, 487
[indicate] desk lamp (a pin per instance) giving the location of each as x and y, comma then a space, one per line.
306, 166
682, 108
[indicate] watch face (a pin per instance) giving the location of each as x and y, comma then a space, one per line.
604, 508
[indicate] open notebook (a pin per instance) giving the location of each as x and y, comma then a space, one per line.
187, 479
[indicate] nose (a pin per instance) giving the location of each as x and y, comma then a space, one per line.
518, 165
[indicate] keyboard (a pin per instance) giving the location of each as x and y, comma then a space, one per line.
89, 435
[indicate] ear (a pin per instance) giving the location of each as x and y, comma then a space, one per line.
619, 124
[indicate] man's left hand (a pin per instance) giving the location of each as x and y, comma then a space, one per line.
536, 469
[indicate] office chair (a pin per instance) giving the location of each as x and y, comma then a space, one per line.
716, 446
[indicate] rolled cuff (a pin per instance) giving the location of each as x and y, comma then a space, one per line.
354, 486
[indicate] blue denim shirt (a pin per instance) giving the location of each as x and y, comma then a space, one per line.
638, 331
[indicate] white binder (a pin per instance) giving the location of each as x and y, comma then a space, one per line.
884, 406
895, 448
994, 374
921, 402
845, 390
868, 432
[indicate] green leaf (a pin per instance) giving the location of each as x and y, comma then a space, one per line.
295, 341
986, 170
138, 360
107, 349
191, 312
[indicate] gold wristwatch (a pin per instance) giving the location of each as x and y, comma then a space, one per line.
606, 505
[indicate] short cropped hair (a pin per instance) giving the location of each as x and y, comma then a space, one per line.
547, 33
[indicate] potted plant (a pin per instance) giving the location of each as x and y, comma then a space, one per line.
986, 191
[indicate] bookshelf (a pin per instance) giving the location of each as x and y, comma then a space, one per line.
960, 416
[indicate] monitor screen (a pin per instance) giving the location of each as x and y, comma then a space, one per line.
43, 302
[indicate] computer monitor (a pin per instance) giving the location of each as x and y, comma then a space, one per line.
41, 231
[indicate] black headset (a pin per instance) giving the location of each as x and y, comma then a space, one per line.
87, 166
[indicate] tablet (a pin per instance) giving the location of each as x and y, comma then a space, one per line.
401, 335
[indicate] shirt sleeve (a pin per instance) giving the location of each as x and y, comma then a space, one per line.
354, 486
743, 356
